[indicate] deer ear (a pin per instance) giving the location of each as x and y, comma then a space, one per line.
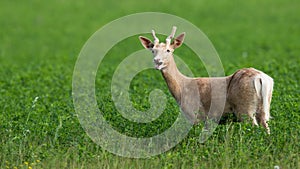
146, 42
178, 41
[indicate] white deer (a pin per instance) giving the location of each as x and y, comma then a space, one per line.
247, 91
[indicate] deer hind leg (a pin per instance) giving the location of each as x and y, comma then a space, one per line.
265, 125
251, 111
262, 120
248, 110
253, 118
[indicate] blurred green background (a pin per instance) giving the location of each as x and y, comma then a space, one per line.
39, 45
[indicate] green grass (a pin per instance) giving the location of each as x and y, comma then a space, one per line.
39, 44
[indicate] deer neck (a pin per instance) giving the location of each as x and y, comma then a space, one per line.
174, 79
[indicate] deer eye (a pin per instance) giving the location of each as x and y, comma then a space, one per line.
168, 50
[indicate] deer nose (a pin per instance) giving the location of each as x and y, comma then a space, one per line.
155, 60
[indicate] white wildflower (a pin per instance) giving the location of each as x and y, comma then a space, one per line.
34, 101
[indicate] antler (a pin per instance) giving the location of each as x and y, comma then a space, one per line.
156, 40
171, 36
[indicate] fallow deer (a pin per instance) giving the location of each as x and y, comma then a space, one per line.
247, 91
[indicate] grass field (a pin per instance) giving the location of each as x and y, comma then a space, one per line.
39, 45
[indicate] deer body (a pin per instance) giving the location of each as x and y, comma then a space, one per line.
248, 91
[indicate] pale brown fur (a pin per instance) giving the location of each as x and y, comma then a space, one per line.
245, 88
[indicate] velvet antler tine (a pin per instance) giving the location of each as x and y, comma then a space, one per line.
171, 36
156, 40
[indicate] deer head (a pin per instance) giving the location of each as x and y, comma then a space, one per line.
162, 52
